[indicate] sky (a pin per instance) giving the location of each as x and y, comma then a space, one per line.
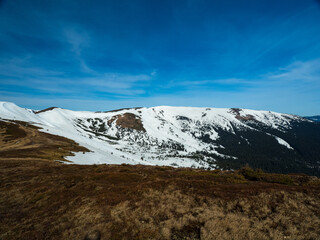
102, 55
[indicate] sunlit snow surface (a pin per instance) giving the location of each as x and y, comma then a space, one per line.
173, 134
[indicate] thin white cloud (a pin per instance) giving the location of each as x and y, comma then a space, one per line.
299, 74
308, 71
78, 40
116, 80
199, 83
20, 67
272, 31
21, 72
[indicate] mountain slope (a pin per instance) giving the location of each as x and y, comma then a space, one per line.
46, 200
184, 136
19, 140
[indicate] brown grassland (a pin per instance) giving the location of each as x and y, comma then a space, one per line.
44, 199
19, 140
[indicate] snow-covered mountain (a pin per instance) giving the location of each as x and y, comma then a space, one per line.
184, 136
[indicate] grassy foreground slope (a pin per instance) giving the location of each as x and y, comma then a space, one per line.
44, 199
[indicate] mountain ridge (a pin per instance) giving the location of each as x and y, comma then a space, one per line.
224, 138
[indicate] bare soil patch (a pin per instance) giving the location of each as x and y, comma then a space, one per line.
128, 120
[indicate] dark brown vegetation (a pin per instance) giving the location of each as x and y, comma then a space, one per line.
41, 199
48, 200
128, 120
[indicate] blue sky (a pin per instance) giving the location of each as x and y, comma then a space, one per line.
102, 55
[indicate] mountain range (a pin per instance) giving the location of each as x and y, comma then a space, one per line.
314, 118
223, 138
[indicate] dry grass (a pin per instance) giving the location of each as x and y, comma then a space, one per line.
21, 140
47, 200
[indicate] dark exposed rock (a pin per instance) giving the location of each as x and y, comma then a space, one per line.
121, 109
183, 118
45, 110
236, 111
245, 118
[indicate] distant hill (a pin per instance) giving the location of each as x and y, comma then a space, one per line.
314, 118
